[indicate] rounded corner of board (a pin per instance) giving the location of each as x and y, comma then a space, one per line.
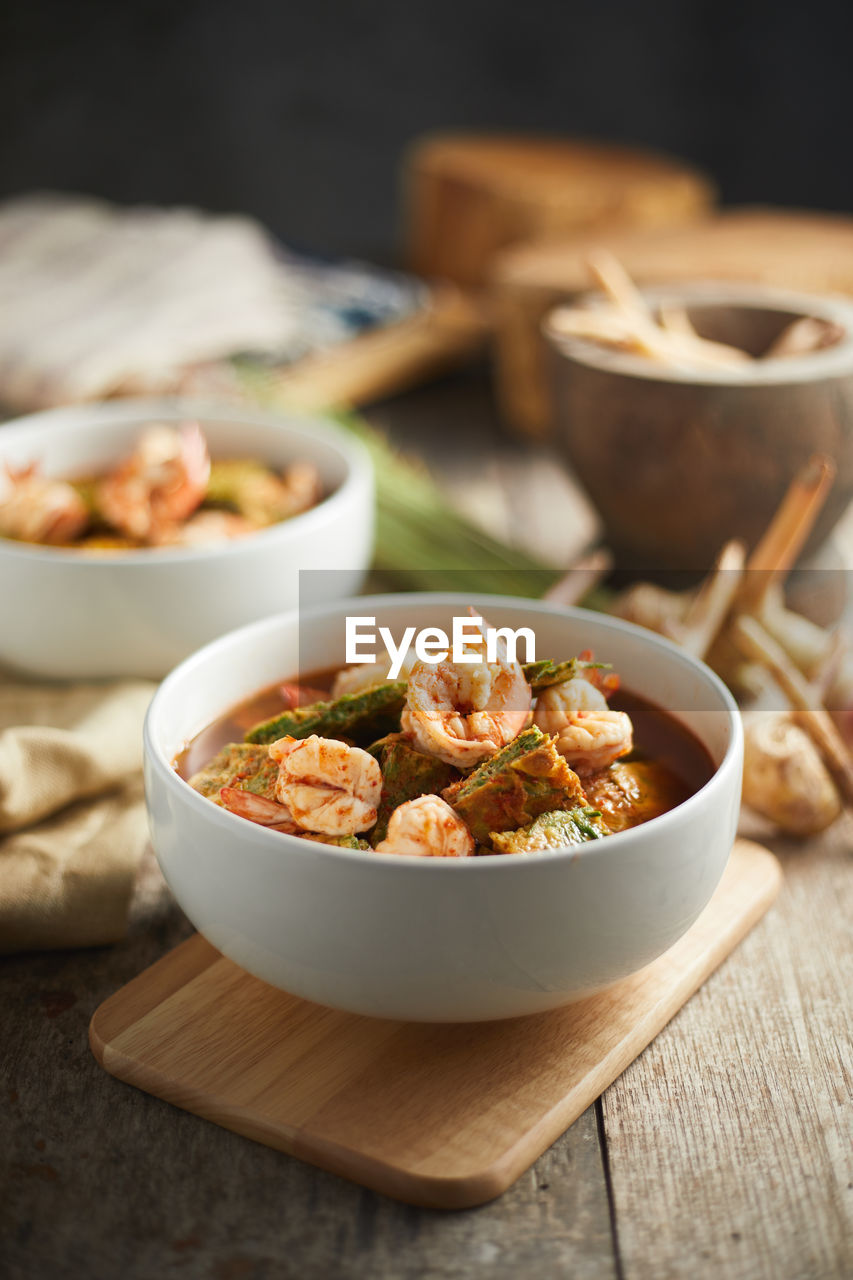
465, 1190
765, 862
97, 1042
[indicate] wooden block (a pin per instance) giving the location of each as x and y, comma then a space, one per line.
468, 196
445, 1116
812, 252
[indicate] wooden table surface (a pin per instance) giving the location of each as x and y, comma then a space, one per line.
724, 1151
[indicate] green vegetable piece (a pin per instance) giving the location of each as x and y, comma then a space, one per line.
339, 842
526, 778
558, 829
87, 489
367, 714
377, 748
541, 675
406, 773
250, 488
241, 765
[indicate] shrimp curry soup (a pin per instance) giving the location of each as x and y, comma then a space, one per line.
444, 761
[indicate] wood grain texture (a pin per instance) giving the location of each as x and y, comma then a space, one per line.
649, 449
98, 1180
524, 497
730, 1141
812, 252
468, 196
439, 1116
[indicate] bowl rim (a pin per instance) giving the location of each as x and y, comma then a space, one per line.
832, 361
105, 414
270, 840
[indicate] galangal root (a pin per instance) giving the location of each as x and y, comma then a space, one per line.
798, 770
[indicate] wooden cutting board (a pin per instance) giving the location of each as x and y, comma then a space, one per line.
445, 1116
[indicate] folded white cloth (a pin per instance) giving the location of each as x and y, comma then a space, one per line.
72, 817
100, 299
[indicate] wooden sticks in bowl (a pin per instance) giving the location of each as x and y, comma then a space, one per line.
625, 321
628, 323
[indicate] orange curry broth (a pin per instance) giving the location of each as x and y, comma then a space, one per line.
658, 736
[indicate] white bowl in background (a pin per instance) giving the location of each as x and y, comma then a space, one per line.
439, 939
68, 614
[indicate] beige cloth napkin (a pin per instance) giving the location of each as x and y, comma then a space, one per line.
72, 818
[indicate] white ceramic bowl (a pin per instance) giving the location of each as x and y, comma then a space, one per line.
73, 615
439, 939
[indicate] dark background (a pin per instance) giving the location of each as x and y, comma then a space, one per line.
300, 113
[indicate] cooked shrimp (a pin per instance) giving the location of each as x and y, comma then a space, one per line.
465, 712
589, 735
295, 694
327, 786
207, 529
368, 675
34, 508
160, 484
427, 827
302, 486
267, 813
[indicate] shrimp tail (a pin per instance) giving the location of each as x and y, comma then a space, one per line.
267, 813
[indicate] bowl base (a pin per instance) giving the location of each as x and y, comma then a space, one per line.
402, 1107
